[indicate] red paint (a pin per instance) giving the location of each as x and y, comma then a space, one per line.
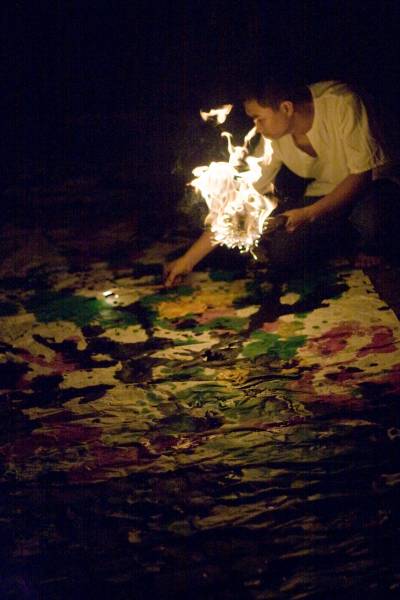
382, 342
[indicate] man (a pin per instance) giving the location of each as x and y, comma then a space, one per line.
322, 134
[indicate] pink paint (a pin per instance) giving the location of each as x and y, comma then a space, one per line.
60, 437
57, 364
104, 462
344, 375
307, 392
382, 342
334, 340
392, 378
270, 327
340, 400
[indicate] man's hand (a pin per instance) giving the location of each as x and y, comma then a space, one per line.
297, 217
176, 270
344, 194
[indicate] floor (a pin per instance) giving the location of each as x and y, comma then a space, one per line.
235, 437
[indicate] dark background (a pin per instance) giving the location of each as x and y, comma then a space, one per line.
94, 82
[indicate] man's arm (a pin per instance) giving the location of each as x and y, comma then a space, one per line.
340, 197
182, 266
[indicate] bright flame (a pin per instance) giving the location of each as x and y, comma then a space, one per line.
219, 114
237, 212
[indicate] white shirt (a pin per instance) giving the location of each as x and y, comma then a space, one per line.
340, 135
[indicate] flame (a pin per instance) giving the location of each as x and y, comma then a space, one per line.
237, 212
219, 114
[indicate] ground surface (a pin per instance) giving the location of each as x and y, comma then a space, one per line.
235, 437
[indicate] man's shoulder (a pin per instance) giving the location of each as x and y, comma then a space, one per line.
329, 90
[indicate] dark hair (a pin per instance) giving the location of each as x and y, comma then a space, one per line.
272, 92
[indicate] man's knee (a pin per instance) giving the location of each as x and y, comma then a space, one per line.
288, 251
377, 213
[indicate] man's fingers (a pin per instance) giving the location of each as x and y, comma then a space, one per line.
174, 273
290, 227
171, 279
274, 223
168, 273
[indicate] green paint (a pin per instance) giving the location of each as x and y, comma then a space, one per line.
235, 323
188, 373
271, 344
142, 269
35, 279
148, 314
170, 324
336, 296
199, 395
226, 275
309, 282
183, 290
7, 309
257, 292
164, 324
111, 317
251, 407
179, 424
355, 392
49, 306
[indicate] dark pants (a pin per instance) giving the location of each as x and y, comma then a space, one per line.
371, 225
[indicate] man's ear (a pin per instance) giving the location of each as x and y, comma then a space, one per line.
287, 107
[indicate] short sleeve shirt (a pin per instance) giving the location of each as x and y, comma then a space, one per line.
341, 137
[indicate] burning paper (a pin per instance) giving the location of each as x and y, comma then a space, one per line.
237, 212
219, 114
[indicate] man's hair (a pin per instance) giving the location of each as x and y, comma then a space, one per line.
272, 92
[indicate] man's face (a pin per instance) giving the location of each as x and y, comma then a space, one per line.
271, 123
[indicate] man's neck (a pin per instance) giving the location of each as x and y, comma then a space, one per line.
303, 118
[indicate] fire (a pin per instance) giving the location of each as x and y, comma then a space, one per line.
237, 212
219, 114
